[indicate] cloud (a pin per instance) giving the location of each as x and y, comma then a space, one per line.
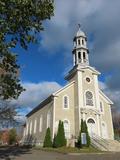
100, 21
34, 94
114, 95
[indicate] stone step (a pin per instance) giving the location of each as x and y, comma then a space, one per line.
105, 144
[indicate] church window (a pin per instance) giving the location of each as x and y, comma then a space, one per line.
41, 123
89, 98
67, 128
90, 120
30, 127
78, 41
66, 102
88, 79
35, 125
48, 119
82, 42
75, 59
84, 57
101, 106
27, 129
79, 55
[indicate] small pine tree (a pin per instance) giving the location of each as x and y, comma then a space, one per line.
79, 145
87, 135
63, 139
60, 138
47, 140
54, 141
12, 136
79, 140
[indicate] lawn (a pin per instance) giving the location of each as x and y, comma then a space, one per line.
69, 149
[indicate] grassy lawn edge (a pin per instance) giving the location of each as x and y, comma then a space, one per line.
70, 150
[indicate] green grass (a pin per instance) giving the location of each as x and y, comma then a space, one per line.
69, 150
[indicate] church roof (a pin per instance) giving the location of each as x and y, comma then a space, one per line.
80, 33
105, 97
41, 105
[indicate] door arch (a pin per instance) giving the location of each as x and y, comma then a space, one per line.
91, 124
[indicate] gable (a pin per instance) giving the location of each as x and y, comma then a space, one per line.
63, 88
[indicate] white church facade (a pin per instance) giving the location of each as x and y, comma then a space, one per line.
80, 99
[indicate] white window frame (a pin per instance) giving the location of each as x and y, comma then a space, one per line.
90, 79
27, 127
85, 99
31, 127
67, 102
68, 137
102, 112
48, 119
41, 123
35, 125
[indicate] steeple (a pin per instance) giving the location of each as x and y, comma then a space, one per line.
80, 50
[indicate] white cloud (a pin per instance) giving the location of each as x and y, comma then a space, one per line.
100, 20
35, 93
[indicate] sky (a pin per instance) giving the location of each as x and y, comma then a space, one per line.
43, 66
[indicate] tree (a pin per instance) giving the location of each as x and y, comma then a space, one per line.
8, 114
12, 136
20, 23
47, 140
87, 134
79, 145
83, 129
60, 139
54, 141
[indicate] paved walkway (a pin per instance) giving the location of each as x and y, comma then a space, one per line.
14, 153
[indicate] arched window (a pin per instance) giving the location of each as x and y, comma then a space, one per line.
67, 128
79, 55
90, 120
78, 41
35, 125
101, 106
82, 42
89, 98
30, 127
41, 123
84, 56
48, 119
66, 102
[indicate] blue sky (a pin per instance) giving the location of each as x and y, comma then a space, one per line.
44, 65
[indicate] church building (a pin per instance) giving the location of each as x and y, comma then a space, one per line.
80, 99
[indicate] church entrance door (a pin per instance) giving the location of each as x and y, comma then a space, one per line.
91, 127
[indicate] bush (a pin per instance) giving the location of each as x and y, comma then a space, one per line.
84, 129
59, 139
47, 140
87, 134
54, 141
12, 136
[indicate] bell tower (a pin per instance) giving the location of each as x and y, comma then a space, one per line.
80, 50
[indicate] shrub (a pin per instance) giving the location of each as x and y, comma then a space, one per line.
84, 129
87, 135
47, 140
54, 141
12, 136
60, 140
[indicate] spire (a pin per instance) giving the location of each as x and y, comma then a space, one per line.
80, 50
